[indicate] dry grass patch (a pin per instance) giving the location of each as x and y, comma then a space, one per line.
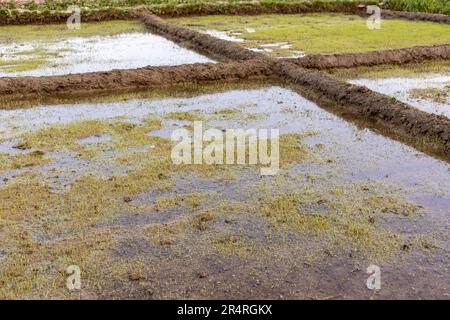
183, 116
23, 160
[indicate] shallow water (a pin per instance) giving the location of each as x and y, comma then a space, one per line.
342, 154
355, 153
99, 53
400, 88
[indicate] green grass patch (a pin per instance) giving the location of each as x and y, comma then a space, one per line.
322, 33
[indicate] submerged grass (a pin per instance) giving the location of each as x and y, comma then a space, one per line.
439, 95
67, 136
38, 37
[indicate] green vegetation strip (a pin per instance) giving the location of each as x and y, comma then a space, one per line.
321, 33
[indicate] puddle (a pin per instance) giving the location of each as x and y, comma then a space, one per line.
403, 89
79, 54
228, 36
9, 146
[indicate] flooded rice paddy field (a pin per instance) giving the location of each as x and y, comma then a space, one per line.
425, 86
42, 50
299, 34
92, 183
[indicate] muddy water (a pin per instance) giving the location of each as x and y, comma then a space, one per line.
341, 154
402, 89
97, 53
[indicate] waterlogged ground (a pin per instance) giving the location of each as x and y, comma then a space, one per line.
92, 184
54, 49
296, 35
425, 86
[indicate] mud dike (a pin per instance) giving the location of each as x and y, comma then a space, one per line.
427, 132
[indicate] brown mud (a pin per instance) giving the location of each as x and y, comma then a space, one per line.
120, 80
352, 60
